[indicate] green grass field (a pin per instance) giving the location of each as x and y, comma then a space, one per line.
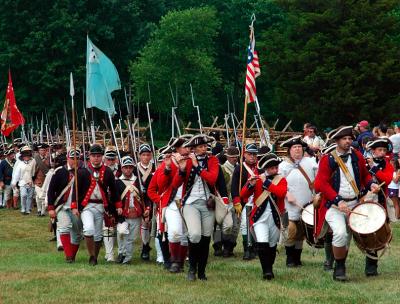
32, 271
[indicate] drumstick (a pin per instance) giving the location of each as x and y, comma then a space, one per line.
301, 207
355, 212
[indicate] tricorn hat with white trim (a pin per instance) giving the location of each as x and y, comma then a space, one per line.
268, 160
341, 132
379, 142
199, 139
296, 140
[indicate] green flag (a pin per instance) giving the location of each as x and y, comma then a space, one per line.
101, 79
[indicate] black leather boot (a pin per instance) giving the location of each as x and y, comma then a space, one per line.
193, 260
339, 272
297, 257
217, 249
263, 251
269, 275
328, 264
290, 260
145, 255
246, 252
203, 257
371, 265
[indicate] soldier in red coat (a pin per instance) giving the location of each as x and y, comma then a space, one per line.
382, 172
169, 201
341, 191
268, 213
198, 175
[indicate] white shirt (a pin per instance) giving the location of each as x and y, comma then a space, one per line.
315, 142
345, 189
297, 184
23, 173
199, 191
395, 139
392, 184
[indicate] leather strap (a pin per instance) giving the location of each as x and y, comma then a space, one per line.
346, 172
62, 194
310, 184
131, 188
265, 194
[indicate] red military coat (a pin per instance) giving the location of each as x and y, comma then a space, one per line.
278, 193
327, 182
209, 175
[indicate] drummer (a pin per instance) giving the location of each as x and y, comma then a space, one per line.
341, 176
382, 172
299, 172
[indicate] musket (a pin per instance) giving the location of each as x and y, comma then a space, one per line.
235, 132
41, 129
83, 142
130, 137
92, 132
264, 136
174, 119
151, 130
113, 134
49, 125
47, 135
72, 93
228, 142
198, 110
120, 128
258, 128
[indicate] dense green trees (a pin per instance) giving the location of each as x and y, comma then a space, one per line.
329, 62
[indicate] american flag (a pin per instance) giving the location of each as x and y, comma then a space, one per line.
253, 69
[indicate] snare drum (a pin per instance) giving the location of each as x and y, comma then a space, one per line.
371, 232
307, 219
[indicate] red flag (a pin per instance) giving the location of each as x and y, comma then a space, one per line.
11, 117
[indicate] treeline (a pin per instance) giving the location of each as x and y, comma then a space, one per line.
329, 62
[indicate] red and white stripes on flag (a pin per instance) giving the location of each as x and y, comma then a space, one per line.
253, 69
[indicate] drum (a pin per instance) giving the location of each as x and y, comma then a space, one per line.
371, 232
307, 219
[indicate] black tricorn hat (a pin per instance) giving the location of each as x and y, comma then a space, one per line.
379, 142
268, 160
329, 148
199, 139
296, 140
341, 132
180, 141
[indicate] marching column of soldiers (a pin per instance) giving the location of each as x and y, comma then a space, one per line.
193, 194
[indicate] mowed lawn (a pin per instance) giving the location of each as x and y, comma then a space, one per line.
32, 271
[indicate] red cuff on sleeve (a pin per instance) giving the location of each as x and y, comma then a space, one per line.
226, 201
118, 204
50, 207
74, 205
236, 200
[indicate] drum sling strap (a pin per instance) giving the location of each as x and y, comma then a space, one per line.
353, 184
303, 172
346, 172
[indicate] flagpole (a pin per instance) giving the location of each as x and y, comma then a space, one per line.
253, 18
72, 93
243, 141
